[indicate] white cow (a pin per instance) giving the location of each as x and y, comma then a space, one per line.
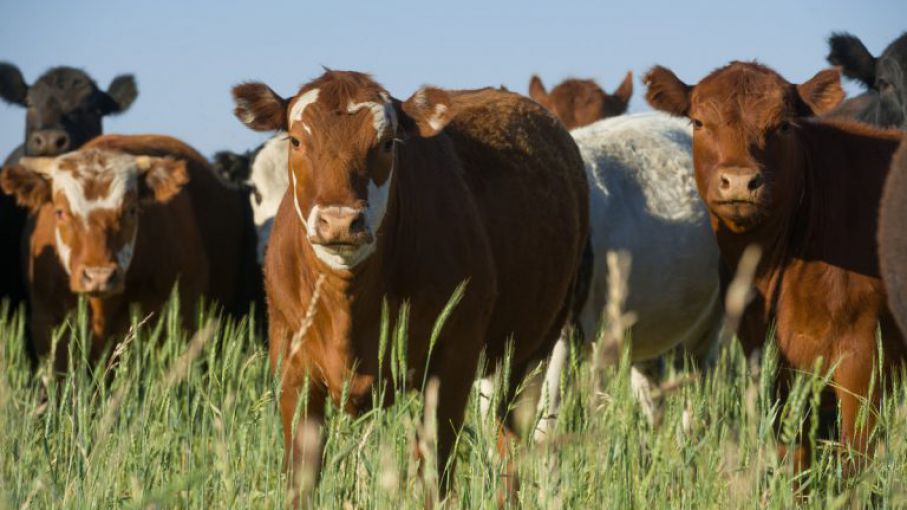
643, 202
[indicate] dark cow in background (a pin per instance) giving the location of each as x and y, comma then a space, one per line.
885, 102
807, 192
893, 236
578, 103
400, 202
64, 108
120, 221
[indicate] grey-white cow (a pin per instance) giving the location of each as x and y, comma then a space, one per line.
644, 203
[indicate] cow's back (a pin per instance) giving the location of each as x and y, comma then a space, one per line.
644, 202
893, 237
222, 213
526, 175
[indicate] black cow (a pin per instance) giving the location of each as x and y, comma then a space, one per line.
885, 103
64, 108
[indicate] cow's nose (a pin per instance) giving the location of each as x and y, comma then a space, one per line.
99, 278
741, 185
48, 142
341, 225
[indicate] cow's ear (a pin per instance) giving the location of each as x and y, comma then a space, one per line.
666, 92
160, 178
537, 90
823, 91
13, 88
259, 107
120, 94
851, 55
426, 112
625, 90
31, 188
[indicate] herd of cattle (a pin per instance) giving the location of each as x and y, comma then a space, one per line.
365, 207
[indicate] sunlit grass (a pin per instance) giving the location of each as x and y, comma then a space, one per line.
191, 422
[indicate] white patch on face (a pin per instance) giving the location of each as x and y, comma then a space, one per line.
122, 171
300, 105
437, 120
63, 250
296, 198
383, 115
343, 259
307, 129
377, 201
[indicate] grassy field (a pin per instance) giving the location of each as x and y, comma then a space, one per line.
192, 423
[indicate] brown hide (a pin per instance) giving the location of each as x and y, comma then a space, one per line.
807, 193
893, 236
497, 199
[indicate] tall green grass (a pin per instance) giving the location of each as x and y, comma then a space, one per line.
192, 422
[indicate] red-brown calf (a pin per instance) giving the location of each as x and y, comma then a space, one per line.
807, 192
578, 103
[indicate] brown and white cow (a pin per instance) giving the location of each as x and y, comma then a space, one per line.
807, 192
403, 201
120, 222
578, 103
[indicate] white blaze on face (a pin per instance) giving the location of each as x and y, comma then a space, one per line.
119, 169
300, 105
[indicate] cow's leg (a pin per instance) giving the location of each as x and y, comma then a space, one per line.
549, 397
302, 438
453, 393
852, 381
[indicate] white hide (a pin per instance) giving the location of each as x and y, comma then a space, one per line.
643, 200
269, 176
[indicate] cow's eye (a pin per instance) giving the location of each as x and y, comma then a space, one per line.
388, 145
132, 212
294, 141
697, 124
60, 214
784, 127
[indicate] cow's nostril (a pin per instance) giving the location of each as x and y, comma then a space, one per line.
755, 183
61, 142
358, 224
725, 182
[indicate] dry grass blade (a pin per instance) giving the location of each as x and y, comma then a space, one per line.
428, 443
308, 444
739, 291
306, 323
608, 348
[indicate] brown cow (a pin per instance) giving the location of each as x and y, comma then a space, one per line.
578, 103
403, 201
807, 192
120, 221
893, 236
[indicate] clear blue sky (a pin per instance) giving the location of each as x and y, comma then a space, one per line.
187, 54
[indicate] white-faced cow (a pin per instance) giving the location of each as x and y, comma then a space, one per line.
120, 221
885, 77
578, 103
64, 108
643, 202
400, 202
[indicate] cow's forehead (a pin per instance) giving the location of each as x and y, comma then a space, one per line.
329, 105
744, 94
94, 179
